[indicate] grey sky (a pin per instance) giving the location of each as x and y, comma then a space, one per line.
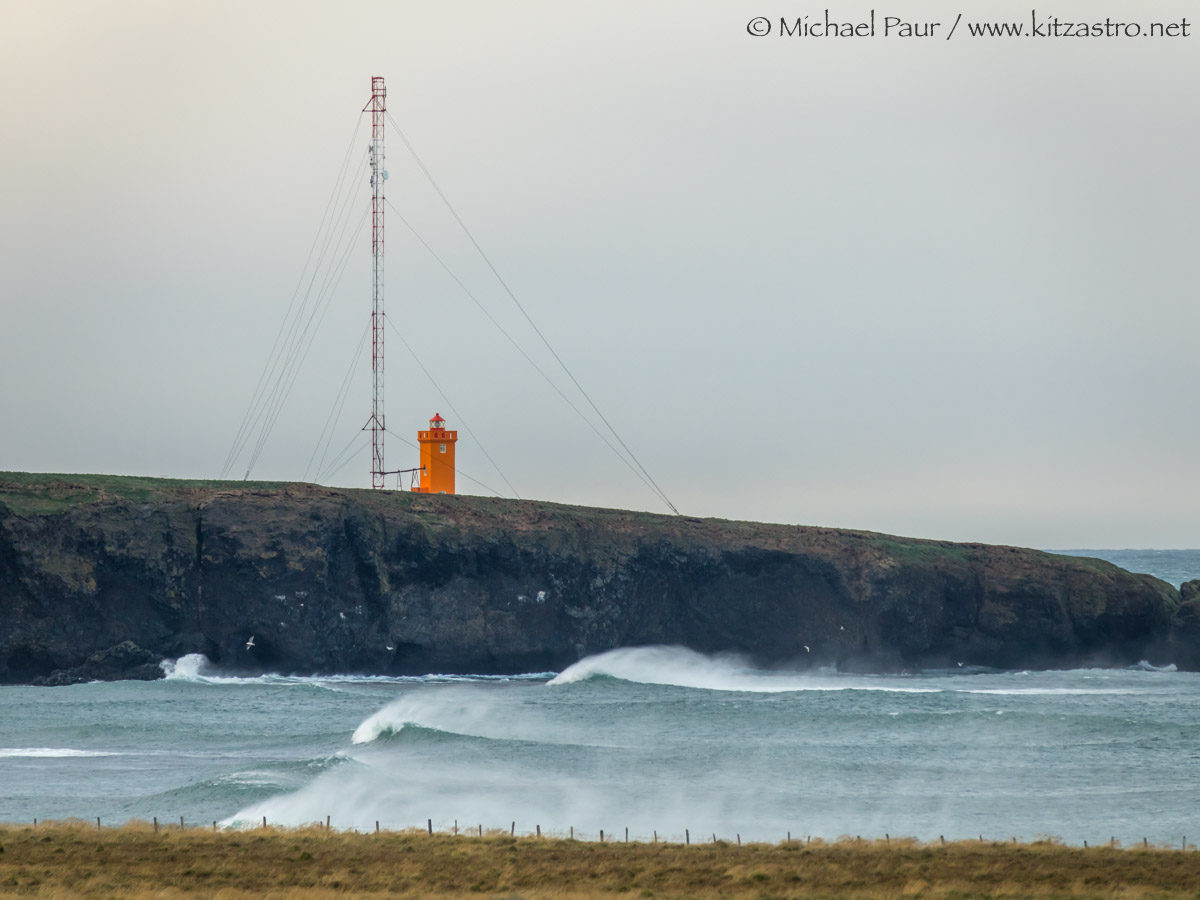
939, 288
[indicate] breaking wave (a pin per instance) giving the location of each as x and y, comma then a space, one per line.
468, 712
196, 667
49, 752
1145, 666
680, 667
457, 715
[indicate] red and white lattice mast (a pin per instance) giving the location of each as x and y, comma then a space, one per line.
378, 109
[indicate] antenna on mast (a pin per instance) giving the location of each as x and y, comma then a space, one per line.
378, 109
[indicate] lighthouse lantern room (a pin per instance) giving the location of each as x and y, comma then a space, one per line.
437, 458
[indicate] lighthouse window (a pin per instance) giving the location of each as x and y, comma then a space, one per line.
443, 448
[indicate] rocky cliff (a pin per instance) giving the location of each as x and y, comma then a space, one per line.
104, 576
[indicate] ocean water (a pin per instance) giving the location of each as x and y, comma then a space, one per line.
654, 739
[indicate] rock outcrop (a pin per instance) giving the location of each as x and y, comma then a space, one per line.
1184, 644
331, 580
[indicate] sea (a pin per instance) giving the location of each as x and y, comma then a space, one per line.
659, 743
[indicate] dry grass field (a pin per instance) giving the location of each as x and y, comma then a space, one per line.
78, 860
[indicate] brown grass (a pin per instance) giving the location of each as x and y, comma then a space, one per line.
77, 860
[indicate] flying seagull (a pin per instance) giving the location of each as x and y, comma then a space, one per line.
250, 643
806, 650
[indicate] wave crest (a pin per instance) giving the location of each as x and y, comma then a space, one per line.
49, 752
198, 668
1145, 666
681, 667
462, 715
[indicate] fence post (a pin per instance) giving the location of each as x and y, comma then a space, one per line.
627, 834
739, 840
181, 823
214, 824
98, 825
687, 837
429, 825
156, 824
572, 832
481, 831
887, 839
943, 838
602, 835
327, 823
377, 826
656, 836
264, 821
512, 831
539, 830
456, 827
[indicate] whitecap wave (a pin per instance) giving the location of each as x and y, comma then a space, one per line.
1145, 666
681, 667
1047, 692
461, 713
186, 668
476, 712
198, 668
50, 752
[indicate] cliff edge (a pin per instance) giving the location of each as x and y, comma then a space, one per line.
101, 576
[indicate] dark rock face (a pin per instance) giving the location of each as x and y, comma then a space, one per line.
125, 661
1184, 644
396, 583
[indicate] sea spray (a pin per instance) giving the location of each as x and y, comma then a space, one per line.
681, 667
473, 712
453, 713
187, 668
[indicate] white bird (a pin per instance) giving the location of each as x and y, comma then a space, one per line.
250, 643
843, 627
806, 650
389, 646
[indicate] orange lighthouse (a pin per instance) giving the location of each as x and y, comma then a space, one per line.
437, 457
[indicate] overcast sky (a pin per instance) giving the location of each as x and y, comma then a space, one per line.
942, 288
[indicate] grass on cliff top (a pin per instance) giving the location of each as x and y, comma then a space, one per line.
37, 493
77, 860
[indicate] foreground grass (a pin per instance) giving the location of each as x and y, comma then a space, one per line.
74, 860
